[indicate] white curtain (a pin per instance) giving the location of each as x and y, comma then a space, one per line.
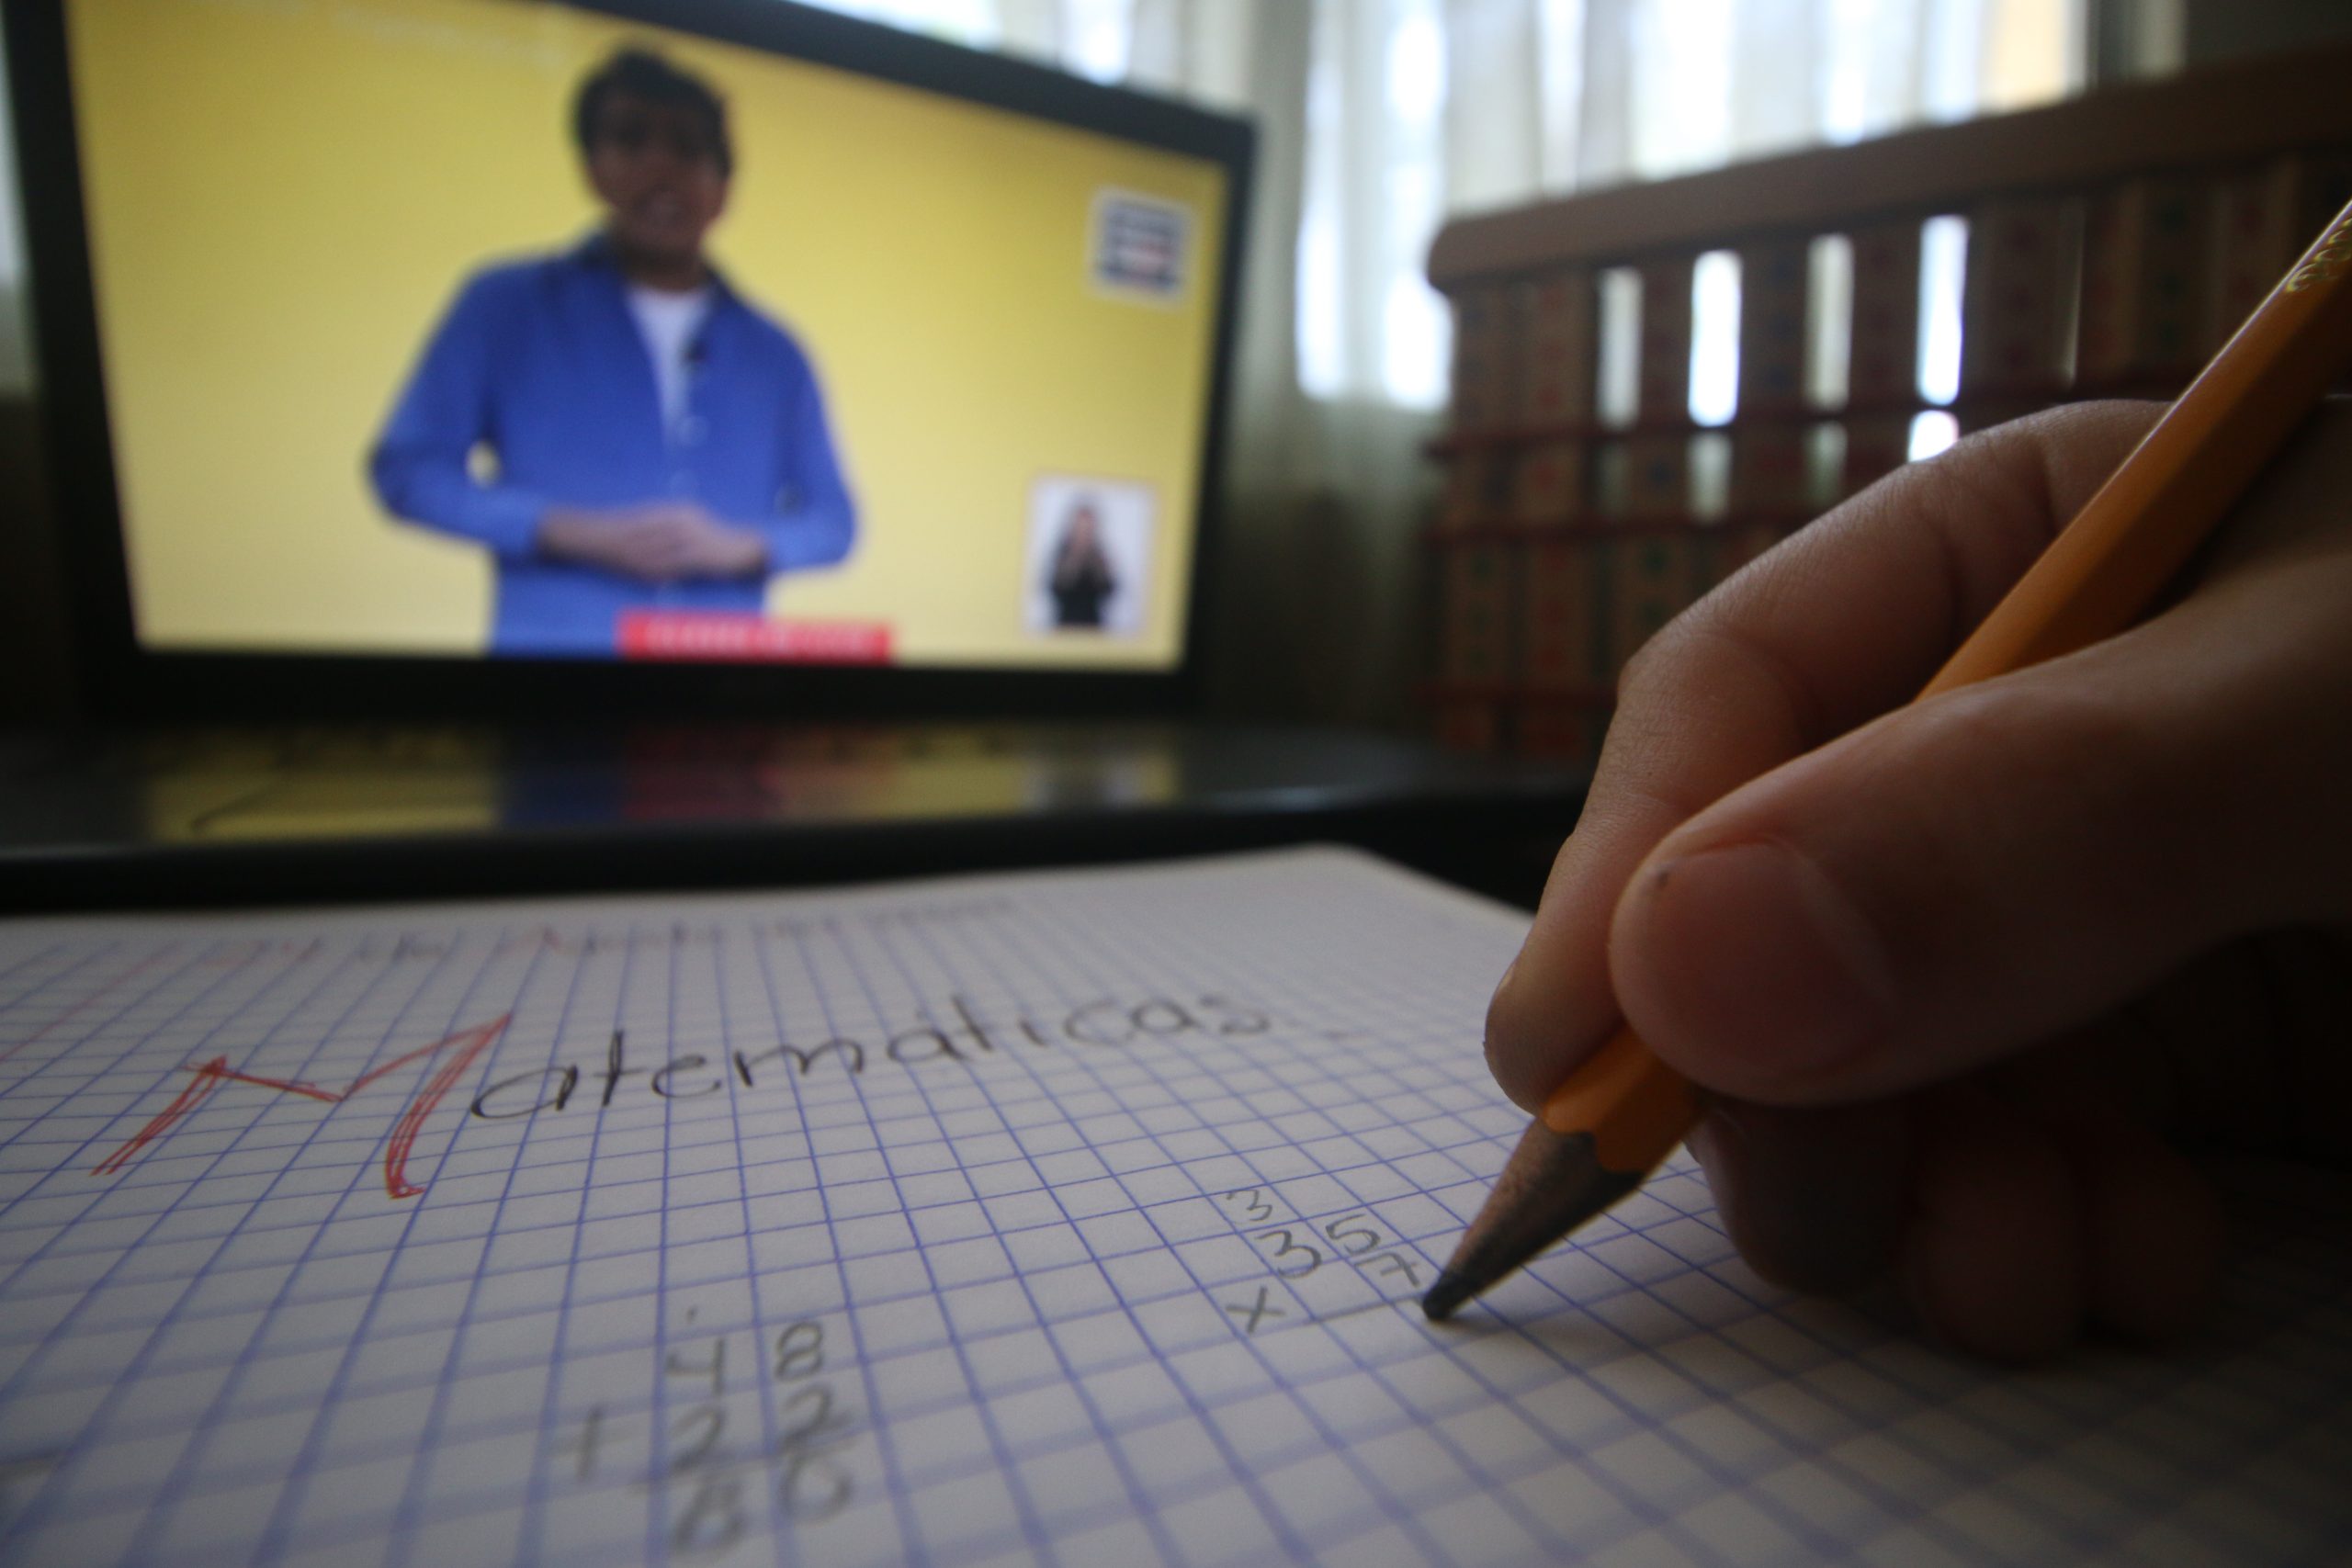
1419, 109
1381, 119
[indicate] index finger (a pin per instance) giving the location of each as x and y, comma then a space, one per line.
1843, 621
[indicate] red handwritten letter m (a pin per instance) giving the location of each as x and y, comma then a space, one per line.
465, 1046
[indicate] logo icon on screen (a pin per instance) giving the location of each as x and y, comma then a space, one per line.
1140, 245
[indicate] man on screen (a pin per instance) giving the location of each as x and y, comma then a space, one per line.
622, 429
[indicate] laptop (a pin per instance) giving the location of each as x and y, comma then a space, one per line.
506, 446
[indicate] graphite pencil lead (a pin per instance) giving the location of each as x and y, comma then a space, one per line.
1446, 1297
1552, 1183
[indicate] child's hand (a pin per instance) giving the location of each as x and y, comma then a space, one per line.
1966, 975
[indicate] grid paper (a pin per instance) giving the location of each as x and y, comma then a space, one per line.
1072, 1217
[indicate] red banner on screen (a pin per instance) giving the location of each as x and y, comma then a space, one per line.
687, 634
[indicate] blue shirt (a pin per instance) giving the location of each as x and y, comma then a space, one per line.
541, 363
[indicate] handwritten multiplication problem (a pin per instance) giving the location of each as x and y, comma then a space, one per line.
1327, 1265
753, 1425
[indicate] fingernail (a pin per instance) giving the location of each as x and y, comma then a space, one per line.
1753, 956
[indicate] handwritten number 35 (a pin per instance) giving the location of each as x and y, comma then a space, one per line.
1349, 1233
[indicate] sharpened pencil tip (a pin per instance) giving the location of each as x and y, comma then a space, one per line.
1446, 1297
1552, 1183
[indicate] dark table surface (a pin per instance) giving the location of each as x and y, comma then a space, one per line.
215, 816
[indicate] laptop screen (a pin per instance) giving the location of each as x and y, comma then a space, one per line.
469, 329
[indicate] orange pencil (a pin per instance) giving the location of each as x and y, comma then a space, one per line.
1623, 1111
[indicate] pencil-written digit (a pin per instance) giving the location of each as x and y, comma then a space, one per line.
712, 1519
1287, 1247
715, 1369
800, 1351
691, 1451
820, 1427
586, 1445
812, 1488
1342, 1231
1254, 1201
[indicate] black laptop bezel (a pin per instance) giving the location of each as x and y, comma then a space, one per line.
125, 681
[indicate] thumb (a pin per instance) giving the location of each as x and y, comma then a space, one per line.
1971, 876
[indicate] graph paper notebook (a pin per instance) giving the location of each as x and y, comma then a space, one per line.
1070, 1217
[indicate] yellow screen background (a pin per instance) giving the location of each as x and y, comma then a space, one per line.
285, 194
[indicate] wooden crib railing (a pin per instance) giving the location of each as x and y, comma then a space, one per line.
2111, 242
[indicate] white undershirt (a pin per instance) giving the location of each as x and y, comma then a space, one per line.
668, 324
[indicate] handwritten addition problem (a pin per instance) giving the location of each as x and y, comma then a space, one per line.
1067, 1218
801, 1443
